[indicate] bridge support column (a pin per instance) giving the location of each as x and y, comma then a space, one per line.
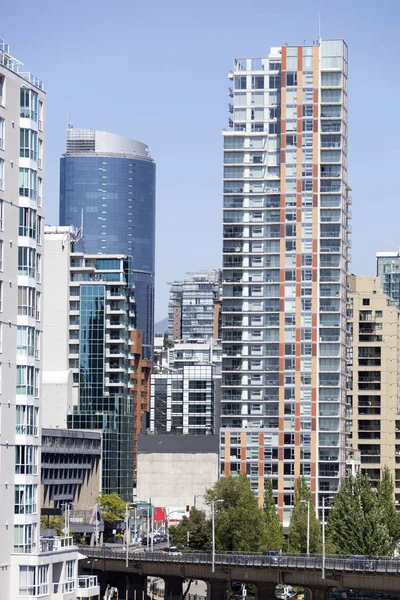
135, 588
317, 593
173, 588
265, 591
216, 590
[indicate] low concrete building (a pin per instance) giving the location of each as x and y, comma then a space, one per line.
174, 469
71, 468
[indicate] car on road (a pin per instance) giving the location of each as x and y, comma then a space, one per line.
271, 557
173, 550
361, 562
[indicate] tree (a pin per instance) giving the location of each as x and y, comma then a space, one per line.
275, 535
357, 522
385, 492
298, 521
193, 532
239, 522
112, 507
52, 522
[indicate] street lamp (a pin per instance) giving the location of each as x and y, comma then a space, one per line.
323, 533
194, 499
308, 524
213, 531
93, 561
167, 521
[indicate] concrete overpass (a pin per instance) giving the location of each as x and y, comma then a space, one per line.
381, 575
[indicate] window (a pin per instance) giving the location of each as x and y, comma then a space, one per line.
366, 301
1, 215
26, 261
27, 581
2, 131
25, 538
27, 301
27, 420
291, 141
1, 296
2, 90
1, 174
27, 183
38, 299
308, 95
39, 191
307, 140
39, 221
1, 255
25, 499
29, 104
25, 340
274, 82
27, 222
70, 575
331, 79
307, 110
38, 267
28, 144
291, 79
308, 78
240, 82
307, 185
26, 460
25, 380
40, 120
307, 125
257, 82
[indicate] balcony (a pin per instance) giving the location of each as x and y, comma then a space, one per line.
55, 544
87, 587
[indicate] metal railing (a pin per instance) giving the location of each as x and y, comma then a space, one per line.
54, 544
284, 561
87, 581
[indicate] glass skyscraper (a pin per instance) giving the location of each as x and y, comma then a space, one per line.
107, 182
285, 257
388, 270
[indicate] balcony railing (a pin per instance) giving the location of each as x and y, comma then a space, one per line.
87, 581
55, 544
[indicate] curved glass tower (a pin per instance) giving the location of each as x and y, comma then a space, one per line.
107, 183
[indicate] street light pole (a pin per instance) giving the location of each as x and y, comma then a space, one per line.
213, 532
127, 535
323, 534
195, 497
213, 535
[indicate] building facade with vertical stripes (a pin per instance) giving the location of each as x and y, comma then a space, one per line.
285, 262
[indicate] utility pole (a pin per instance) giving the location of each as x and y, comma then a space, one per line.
152, 527
126, 535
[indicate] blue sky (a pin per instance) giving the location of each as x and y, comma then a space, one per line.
157, 71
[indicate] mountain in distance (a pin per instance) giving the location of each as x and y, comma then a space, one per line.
161, 326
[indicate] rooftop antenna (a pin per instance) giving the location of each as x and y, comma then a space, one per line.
319, 28
69, 124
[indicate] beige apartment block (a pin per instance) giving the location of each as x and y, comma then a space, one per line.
374, 332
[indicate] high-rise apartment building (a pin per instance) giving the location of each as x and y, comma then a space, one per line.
183, 402
194, 306
107, 181
388, 270
285, 255
374, 364
93, 319
31, 566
